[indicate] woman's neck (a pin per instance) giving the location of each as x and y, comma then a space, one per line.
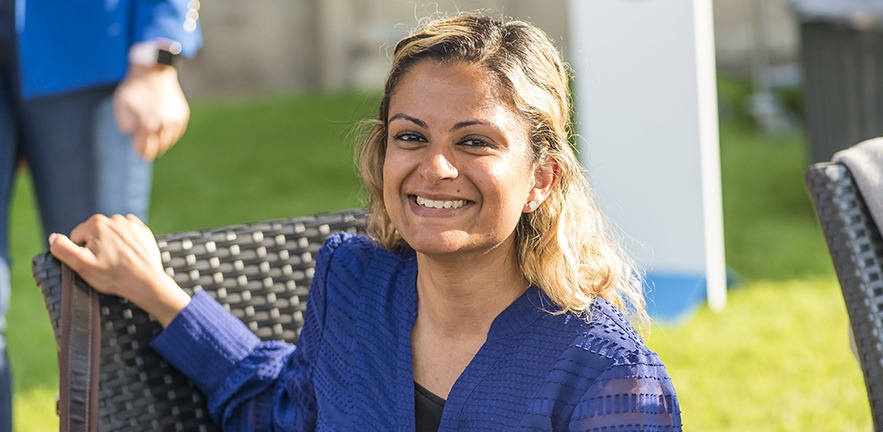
460, 296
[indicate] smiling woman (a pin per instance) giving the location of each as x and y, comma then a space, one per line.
489, 296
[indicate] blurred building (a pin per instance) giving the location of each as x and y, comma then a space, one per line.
285, 46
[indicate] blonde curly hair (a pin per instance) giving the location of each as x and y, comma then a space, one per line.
564, 247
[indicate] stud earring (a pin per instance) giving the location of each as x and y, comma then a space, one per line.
532, 205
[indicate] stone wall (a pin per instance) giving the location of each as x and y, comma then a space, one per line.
282, 46
746, 29
255, 47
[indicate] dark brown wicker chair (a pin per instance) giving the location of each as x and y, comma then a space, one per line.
857, 252
260, 271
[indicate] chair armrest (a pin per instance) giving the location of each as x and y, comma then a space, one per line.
856, 250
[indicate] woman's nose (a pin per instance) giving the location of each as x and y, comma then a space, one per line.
438, 166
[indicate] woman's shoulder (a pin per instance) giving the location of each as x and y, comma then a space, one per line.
347, 241
605, 338
619, 366
591, 360
354, 251
605, 349
347, 248
608, 324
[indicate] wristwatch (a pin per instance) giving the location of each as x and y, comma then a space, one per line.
155, 52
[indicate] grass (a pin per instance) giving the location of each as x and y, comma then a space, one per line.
259, 160
776, 359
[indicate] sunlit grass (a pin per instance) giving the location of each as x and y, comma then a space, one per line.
777, 359
34, 409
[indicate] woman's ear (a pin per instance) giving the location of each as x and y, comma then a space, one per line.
546, 176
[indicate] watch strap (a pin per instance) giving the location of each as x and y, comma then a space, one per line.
154, 52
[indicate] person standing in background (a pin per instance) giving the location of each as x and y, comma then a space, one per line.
89, 96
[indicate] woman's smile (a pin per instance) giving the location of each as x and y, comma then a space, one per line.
439, 204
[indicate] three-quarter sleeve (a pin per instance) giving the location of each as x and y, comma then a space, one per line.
251, 385
226, 361
634, 393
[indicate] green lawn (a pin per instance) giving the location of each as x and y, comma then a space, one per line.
776, 359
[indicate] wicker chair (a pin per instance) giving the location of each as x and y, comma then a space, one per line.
260, 271
856, 249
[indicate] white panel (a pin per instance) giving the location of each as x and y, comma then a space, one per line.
645, 98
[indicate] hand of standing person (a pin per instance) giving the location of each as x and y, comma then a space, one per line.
150, 105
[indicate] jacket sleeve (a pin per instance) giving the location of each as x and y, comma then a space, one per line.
251, 385
177, 20
632, 394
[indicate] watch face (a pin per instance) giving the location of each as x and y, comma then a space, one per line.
165, 57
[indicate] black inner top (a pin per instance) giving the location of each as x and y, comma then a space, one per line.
428, 409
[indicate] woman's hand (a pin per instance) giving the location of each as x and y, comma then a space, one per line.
118, 255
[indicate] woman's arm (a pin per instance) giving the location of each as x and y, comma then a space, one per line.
633, 394
251, 385
243, 377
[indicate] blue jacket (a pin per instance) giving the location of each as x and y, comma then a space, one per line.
352, 370
66, 45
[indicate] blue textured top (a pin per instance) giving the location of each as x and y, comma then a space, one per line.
351, 369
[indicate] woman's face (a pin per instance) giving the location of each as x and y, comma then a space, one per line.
456, 175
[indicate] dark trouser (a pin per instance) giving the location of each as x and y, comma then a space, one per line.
79, 161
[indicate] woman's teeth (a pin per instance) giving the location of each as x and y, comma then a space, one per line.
440, 204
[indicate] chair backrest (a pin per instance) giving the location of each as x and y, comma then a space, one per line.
260, 271
856, 249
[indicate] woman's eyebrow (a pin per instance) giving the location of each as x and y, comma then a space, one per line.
414, 120
467, 123
421, 123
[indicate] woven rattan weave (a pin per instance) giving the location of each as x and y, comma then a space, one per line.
261, 272
856, 249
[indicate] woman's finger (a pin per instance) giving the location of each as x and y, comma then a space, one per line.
80, 259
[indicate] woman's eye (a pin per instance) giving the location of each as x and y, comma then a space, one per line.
476, 142
409, 137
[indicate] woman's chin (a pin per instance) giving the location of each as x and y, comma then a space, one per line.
438, 243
